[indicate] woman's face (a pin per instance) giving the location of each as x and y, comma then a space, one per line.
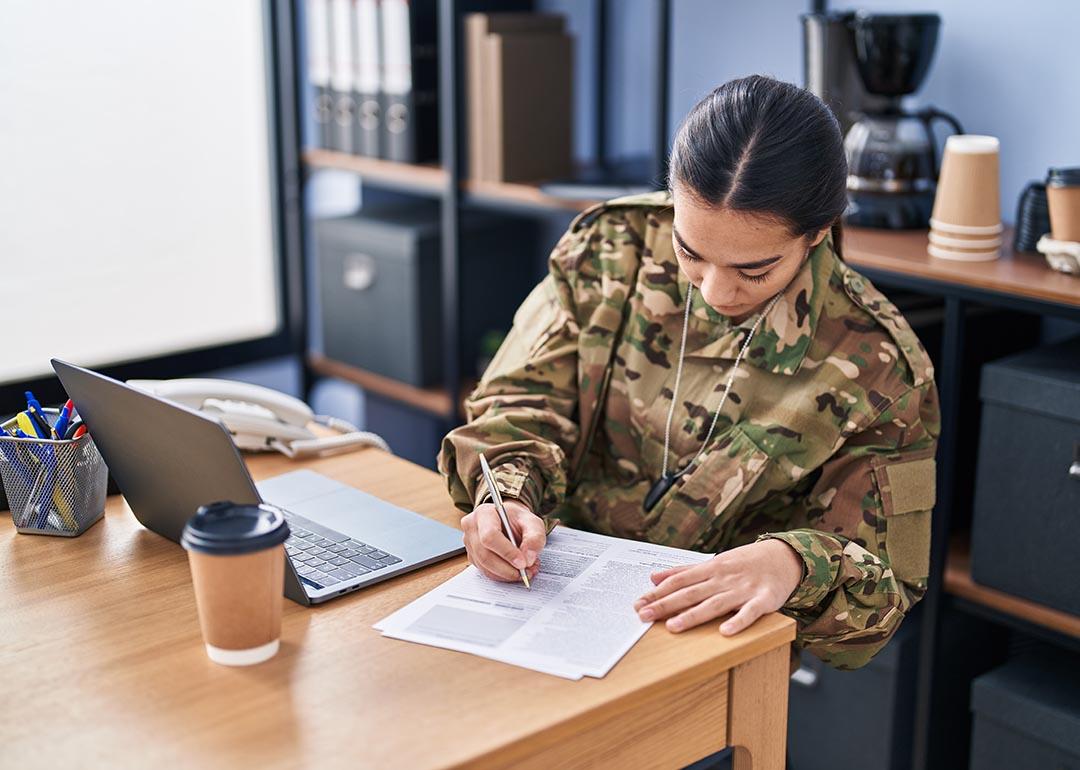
738, 261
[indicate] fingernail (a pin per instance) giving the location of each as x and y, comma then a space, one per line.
530, 557
725, 629
646, 614
674, 625
519, 562
639, 604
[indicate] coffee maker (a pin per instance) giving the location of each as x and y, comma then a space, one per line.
891, 153
829, 70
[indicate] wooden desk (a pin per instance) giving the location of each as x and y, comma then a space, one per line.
103, 665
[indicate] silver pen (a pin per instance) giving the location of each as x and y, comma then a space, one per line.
496, 498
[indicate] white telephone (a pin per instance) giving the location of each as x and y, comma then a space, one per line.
261, 419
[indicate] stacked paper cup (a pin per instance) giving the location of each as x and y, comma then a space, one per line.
966, 222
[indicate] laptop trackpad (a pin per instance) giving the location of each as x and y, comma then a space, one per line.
360, 515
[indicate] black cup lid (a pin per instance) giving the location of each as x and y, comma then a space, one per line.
226, 528
1063, 177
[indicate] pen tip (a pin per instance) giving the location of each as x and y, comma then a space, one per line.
526, 579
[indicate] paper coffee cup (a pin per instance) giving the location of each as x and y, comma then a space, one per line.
238, 569
968, 185
1063, 197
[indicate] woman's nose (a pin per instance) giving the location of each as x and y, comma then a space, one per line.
717, 291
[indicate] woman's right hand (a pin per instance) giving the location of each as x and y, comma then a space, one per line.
489, 549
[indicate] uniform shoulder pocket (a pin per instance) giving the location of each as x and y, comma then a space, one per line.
908, 484
908, 489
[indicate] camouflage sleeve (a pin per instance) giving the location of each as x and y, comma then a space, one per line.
522, 414
864, 533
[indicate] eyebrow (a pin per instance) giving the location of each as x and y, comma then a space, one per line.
741, 266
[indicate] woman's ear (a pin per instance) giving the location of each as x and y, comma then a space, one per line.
821, 236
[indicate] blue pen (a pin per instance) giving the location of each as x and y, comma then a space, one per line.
33, 408
31, 401
62, 421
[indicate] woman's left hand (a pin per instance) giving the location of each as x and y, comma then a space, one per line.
750, 581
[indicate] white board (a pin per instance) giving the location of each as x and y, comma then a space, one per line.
136, 180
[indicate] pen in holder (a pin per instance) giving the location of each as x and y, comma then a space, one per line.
53, 487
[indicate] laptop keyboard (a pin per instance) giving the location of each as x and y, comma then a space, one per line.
323, 557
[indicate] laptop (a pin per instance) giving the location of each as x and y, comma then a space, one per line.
168, 460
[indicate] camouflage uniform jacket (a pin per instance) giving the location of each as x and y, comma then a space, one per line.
826, 442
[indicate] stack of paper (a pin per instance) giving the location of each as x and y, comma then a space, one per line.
578, 619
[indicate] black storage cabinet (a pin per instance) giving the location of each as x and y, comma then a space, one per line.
1026, 523
1027, 714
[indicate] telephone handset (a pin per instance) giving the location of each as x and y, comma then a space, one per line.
261, 419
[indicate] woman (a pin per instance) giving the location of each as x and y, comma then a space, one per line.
701, 369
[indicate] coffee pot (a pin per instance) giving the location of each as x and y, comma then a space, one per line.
891, 151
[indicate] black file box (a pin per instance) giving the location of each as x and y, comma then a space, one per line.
1026, 519
380, 279
1027, 714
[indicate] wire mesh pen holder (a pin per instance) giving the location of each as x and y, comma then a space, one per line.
53, 487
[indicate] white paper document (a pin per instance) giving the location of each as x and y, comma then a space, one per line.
578, 619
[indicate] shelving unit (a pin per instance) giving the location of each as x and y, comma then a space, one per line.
1020, 282
957, 581
404, 177
430, 180
513, 195
434, 400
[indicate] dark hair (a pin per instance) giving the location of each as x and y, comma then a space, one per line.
764, 146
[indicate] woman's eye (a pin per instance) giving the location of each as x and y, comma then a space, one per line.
685, 255
761, 278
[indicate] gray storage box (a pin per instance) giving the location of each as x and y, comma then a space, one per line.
1027, 497
380, 288
875, 704
1027, 714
